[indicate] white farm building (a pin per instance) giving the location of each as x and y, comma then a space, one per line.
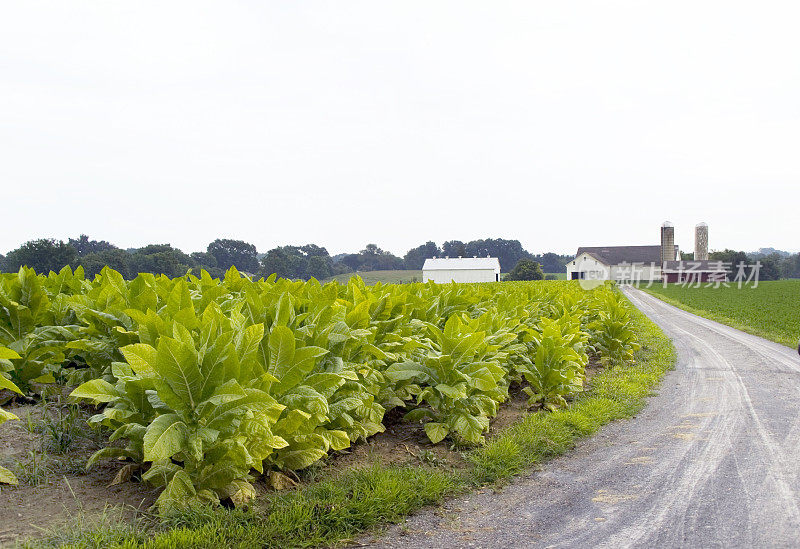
461, 269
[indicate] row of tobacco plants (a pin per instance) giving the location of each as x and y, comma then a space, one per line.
203, 385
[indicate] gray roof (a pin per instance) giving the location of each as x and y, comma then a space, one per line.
694, 266
614, 255
470, 263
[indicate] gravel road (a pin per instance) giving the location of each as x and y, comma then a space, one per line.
712, 461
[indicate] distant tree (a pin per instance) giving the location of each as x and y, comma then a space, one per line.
732, 258
83, 245
372, 258
454, 248
317, 267
388, 262
770, 267
203, 260
312, 250
508, 252
371, 250
298, 262
416, 257
550, 277
353, 261
160, 259
790, 266
229, 252
43, 255
526, 269
552, 262
338, 268
284, 261
117, 259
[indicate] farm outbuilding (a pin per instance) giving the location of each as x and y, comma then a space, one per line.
461, 269
659, 262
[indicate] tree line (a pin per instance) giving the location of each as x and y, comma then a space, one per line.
299, 262
773, 266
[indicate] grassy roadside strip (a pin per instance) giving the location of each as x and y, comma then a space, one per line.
722, 319
339, 507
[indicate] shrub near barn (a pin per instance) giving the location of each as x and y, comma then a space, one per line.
526, 269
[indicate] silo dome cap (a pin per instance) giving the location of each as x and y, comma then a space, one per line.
702, 224
667, 224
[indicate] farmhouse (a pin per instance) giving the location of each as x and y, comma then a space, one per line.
616, 263
461, 269
648, 263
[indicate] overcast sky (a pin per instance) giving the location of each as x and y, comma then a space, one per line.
560, 124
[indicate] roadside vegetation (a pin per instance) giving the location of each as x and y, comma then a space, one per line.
771, 310
215, 391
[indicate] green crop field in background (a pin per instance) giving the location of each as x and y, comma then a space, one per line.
770, 310
386, 277
399, 277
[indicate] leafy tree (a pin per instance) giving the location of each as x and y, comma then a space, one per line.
372, 258
770, 267
790, 266
508, 252
160, 259
454, 248
318, 268
353, 261
85, 246
732, 257
415, 258
117, 259
552, 262
526, 269
229, 252
203, 260
298, 262
43, 255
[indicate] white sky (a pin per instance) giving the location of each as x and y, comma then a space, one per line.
560, 124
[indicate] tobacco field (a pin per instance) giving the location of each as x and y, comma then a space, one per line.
203, 385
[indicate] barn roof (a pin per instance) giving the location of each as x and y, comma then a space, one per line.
459, 263
614, 255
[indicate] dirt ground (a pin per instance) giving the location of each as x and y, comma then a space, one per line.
53, 486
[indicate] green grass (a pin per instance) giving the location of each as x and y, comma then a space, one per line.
559, 276
386, 277
771, 310
340, 506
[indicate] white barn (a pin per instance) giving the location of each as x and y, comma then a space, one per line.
461, 269
616, 263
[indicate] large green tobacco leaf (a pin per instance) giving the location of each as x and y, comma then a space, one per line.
7, 477
176, 363
165, 437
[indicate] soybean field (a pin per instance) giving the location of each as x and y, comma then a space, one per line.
770, 310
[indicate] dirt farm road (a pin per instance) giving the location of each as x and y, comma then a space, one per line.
712, 461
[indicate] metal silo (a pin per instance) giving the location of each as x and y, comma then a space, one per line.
701, 242
667, 242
